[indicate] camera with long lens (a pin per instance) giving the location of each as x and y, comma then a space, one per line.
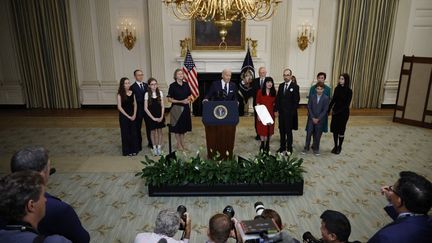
309, 238
229, 211
260, 229
259, 208
181, 210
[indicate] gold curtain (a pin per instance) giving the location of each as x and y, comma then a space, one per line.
363, 38
45, 49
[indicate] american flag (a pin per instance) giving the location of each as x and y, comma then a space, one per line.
189, 70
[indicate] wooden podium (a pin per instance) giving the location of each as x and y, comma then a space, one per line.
220, 119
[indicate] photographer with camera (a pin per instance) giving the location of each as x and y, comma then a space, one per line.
266, 213
22, 206
335, 228
264, 228
220, 228
410, 201
168, 222
60, 217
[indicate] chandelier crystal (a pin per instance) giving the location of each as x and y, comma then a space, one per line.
223, 12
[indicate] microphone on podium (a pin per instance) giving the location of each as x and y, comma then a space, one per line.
163, 240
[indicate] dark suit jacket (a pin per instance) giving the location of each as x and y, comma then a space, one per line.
287, 104
216, 91
60, 218
256, 86
139, 96
416, 229
317, 110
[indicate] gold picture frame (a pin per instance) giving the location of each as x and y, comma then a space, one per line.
205, 36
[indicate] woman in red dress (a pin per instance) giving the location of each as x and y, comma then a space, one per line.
267, 97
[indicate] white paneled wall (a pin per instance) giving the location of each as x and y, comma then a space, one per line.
102, 60
302, 63
419, 31
413, 32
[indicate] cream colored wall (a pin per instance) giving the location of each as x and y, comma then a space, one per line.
102, 60
326, 37
413, 32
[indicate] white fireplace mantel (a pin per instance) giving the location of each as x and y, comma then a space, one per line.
215, 62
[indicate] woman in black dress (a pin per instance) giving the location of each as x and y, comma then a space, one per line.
154, 107
339, 106
179, 94
126, 105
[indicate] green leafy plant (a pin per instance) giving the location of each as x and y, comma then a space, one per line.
262, 169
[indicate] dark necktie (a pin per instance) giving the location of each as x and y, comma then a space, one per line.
142, 87
286, 88
261, 83
226, 88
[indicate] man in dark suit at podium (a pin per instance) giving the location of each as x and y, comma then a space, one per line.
139, 88
287, 101
223, 89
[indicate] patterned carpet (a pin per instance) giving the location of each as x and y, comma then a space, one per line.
114, 206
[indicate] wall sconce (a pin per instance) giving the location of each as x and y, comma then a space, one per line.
305, 35
127, 34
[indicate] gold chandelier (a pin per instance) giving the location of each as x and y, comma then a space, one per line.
223, 12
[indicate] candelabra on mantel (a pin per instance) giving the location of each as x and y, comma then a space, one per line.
305, 35
254, 44
184, 44
127, 34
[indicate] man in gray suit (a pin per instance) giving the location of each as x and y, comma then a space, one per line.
317, 113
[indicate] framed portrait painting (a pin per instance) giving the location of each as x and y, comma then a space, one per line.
205, 36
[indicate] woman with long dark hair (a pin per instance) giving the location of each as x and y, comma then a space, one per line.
126, 105
339, 107
154, 107
267, 97
179, 94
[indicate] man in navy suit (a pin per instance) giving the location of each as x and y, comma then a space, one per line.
139, 88
60, 218
410, 200
223, 89
287, 101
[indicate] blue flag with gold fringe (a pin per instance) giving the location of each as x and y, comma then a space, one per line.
247, 65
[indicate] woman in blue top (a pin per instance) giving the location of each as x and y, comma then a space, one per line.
321, 77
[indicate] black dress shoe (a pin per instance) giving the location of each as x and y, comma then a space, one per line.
338, 150
281, 150
150, 145
333, 151
257, 137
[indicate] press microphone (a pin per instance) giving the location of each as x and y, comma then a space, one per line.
163, 240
